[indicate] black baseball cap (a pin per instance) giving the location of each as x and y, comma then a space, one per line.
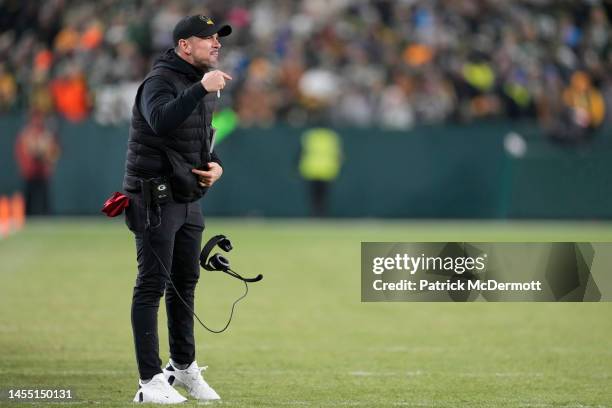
199, 26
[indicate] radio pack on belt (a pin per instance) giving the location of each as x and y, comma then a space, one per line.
156, 191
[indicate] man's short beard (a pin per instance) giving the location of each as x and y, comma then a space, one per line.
204, 66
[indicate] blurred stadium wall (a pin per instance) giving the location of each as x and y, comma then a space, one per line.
441, 171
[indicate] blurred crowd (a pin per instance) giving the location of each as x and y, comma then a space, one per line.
391, 64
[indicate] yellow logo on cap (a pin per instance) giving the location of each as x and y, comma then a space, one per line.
208, 20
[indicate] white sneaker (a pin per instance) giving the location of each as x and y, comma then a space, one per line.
158, 391
191, 379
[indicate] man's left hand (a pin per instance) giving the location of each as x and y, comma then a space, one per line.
208, 177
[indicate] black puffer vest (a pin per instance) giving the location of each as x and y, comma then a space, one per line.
174, 154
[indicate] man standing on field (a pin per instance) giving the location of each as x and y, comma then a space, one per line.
169, 166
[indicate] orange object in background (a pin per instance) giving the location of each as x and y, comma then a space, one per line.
582, 96
70, 95
418, 54
18, 211
92, 37
5, 216
43, 60
12, 214
67, 39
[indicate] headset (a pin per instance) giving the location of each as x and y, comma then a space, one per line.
216, 263
220, 263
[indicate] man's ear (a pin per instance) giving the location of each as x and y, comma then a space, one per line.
185, 46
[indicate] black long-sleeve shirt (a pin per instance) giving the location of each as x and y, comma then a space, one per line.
164, 111
161, 109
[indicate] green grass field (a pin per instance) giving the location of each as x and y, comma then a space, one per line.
302, 337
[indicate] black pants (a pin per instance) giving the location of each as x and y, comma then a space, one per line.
175, 234
37, 196
319, 191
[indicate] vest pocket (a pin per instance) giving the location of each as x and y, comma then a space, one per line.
185, 186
